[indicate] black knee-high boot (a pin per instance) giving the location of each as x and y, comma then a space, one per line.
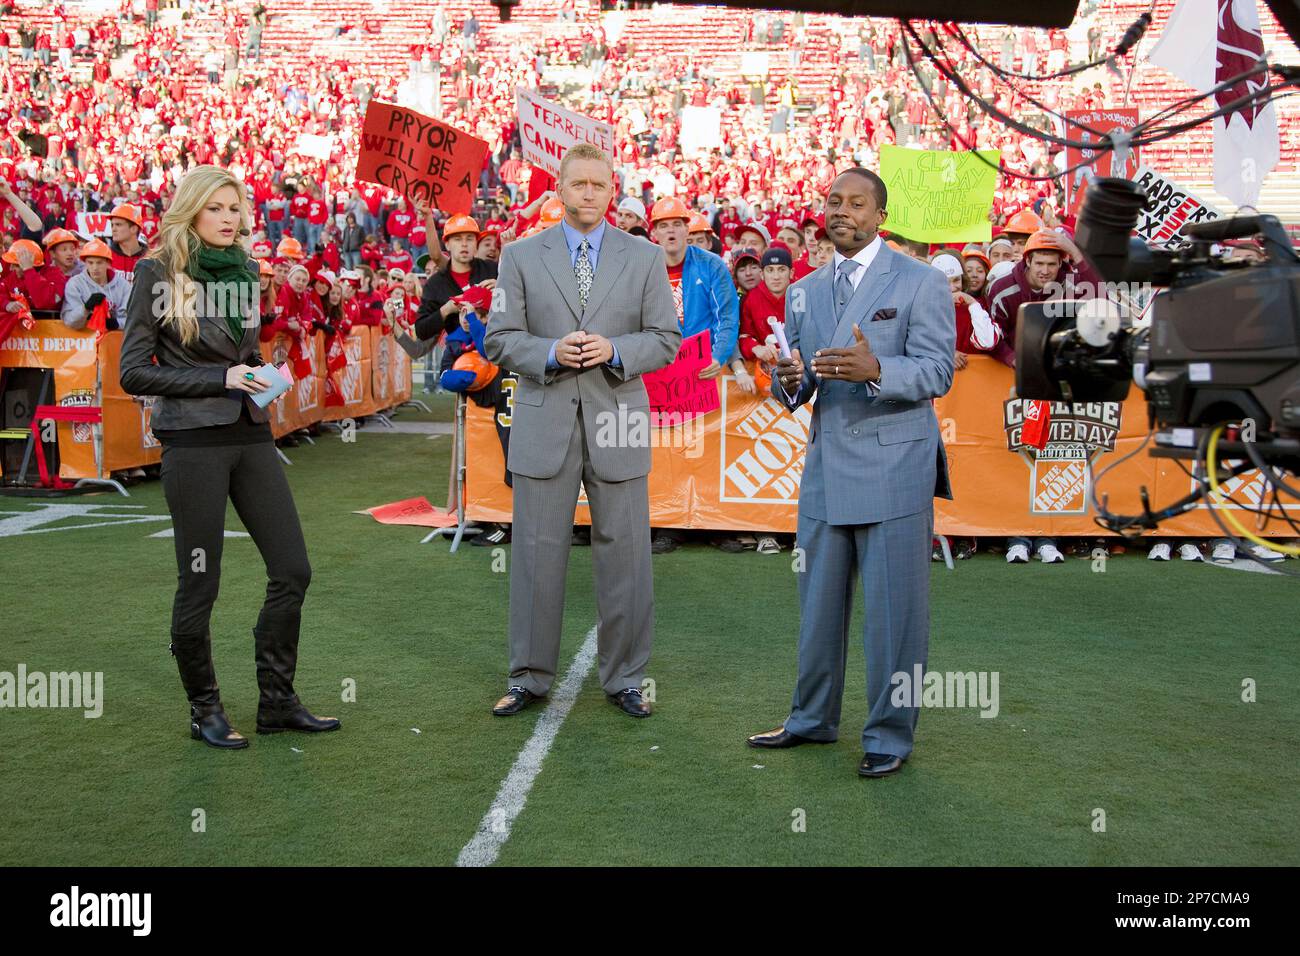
208, 721
278, 707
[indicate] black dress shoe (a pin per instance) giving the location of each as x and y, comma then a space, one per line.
879, 765
215, 730
293, 716
780, 738
631, 702
516, 699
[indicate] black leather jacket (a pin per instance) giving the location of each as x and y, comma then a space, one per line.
189, 380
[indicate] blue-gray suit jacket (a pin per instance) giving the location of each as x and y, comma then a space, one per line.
874, 456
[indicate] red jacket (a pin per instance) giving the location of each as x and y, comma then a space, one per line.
759, 305
124, 263
40, 294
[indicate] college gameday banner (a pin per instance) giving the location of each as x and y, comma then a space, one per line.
738, 468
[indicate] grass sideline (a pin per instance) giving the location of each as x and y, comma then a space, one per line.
1119, 690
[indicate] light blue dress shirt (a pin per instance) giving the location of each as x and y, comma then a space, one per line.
574, 239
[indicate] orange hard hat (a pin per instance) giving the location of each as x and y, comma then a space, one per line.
697, 223
56, 236
552, 211
1025, 222
458, 224
973, 250
264, 267
1044, 241
128, 212
670, 207
289, 248
484, 371
11, 257
96, 248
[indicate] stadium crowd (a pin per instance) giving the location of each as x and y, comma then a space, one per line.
103, 115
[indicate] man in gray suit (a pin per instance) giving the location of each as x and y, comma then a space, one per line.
580, 312
882, 335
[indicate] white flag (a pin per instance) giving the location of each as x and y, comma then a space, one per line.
1204, 43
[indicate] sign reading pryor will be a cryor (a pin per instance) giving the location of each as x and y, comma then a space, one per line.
419, 157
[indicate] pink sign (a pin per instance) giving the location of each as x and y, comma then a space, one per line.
677, 393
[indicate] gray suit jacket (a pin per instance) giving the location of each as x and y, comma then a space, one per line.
872, 457
536, 302
190, 380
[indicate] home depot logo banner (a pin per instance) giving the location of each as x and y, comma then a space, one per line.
762, 454
749, 466
1077, 432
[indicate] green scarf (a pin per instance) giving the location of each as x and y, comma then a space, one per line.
226, 281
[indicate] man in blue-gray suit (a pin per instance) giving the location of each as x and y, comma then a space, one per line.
880, 330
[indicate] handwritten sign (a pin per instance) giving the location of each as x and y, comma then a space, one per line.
1170, 206
938, 195
419, 157
548, 130
1099, 123
677, 393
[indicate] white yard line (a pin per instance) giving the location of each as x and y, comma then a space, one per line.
494, 829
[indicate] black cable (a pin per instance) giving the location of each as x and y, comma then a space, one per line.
1130, 39
1143, 134
1238, 543
1267, 470
949, 71
1226, 497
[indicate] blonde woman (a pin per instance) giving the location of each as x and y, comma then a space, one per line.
194, 309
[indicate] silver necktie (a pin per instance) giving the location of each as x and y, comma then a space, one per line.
844, 285
583, 272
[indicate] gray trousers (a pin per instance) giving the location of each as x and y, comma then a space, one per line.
893, 559
197, 483
620, 557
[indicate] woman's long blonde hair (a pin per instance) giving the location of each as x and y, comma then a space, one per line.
178, 242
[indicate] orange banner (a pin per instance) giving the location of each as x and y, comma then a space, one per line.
74, 359
353, 380
745, 476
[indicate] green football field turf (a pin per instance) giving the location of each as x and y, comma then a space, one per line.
1119, 691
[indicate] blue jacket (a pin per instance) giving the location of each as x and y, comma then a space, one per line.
709, 301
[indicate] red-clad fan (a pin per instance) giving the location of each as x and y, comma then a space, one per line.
127, 249
61, 248
349, 303
23, 278
293, 320
399, 224
399, 259
763, 302
976, 330
299, 207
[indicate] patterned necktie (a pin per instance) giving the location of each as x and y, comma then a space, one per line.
583, 272
844, 285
